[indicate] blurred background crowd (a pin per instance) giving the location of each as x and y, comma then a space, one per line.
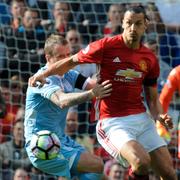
24, 26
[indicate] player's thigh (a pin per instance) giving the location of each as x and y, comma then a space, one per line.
118, 132
135, 154
161, 162
90, 163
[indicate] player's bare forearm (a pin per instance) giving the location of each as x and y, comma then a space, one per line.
152, 99
156, 109
159, 115
61, 67
71, 99
64, 100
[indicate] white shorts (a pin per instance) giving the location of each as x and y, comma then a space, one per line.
113, 133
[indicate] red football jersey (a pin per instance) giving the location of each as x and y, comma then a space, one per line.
126, 68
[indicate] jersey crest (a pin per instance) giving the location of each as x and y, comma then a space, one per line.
143, 65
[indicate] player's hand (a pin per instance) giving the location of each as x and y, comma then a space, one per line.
166, 120
102, 90
37, 80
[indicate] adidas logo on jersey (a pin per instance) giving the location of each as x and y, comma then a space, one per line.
116, 59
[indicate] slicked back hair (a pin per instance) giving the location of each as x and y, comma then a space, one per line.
137, 10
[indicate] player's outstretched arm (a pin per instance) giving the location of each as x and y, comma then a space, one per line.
60, 67
64, 100
156, 109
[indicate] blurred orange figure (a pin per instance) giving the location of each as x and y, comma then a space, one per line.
172, 85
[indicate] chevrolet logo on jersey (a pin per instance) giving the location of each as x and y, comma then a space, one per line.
129, 73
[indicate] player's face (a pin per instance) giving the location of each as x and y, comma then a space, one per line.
134, 26
60, 52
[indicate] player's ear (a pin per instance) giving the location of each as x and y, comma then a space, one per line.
146, 23
123, 23
47, 57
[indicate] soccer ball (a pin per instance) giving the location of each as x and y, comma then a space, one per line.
45, 145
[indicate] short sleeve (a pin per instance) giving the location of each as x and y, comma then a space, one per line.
49, 88
93, 53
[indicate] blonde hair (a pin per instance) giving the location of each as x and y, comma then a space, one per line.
51, 41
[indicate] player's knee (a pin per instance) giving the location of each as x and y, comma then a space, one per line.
141, 165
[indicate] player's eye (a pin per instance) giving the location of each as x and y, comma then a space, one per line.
128, 23
139, 23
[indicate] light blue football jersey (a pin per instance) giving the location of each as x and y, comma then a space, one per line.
40, 112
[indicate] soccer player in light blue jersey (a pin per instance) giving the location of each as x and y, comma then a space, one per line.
46, 109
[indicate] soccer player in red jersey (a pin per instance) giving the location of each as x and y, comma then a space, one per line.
125, 129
